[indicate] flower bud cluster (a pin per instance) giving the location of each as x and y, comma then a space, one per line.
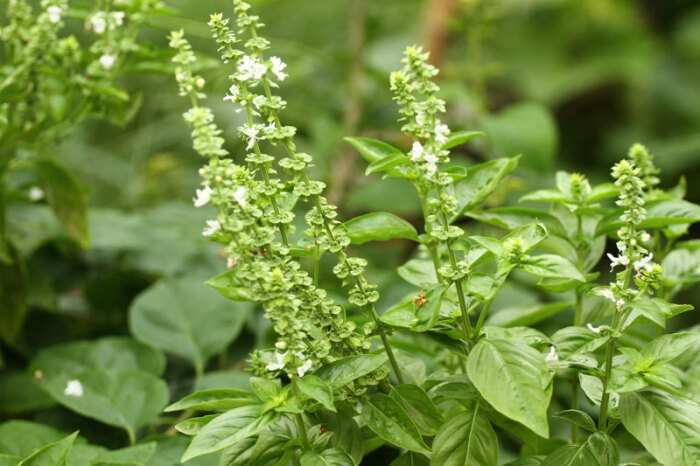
312, 329
64, 79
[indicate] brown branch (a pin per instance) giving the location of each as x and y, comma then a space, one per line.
436, 13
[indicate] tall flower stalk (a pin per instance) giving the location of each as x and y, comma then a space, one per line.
253, 70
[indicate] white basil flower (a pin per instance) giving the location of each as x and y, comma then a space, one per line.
54, 13
608, 294
643, 263
646, 236
552, 356
240, 195
212, 227
441, 133
233, 93
619, 303
592, 328
98, 23
107, 61
250, 69
431, 161
618, 260
279, 364
277, 67
258, 101
36, 193
304, 368
73, 388
203, 196
118, 17
416, 151
251, 133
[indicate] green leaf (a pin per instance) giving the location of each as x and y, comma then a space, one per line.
513, 217
163, 316
137, 454
22, 438
228, 429
479, 183
597, 450
214, 400
653, 309
387, 163
466, 439
386, 418
346, 433
316, 389
14, 294
193, 425
571, 341
578, 418
115, 353
660, 214
545, 195
419, 407
514, 379
457, 138
529, 236
428, 313
514, 317
668, 347
411, 458
418, 272
379, 226
371, 149
9, 460
330, 457
526, 127
65, 196
19, 393
602, 191
682, 265
345, 370
230, 287
51, 455
126, 399
550, 266
666, 425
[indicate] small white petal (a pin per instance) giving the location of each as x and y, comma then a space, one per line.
212, 227
203, 196
73, 388
592, 328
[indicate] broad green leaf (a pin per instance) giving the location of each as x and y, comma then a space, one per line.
386, 418
418, 272
526, 127
228, 429
230, 286
571, 341
466, 439
492, 245
529, 236
515, 317
345, 370
666, 425
578, 418
457, 138
137, 454
660, 214
126, 399
513, 217
316, 389
265, 449
22, 438
187, 319
603, 191
223, 379
402, 315
597, 450
266, 389
14, 293
668, 347
113, 353
526, 335
346, 433
419, 407
593, 388
330, 457
214, 400
411, 458
387, 163
545, 195
654, 309
550, 266
428, 313
9, 460
19, 393
682, 265
193, 425
379, 226
371, 149
514, 379
54, 454
480, 182
65, 196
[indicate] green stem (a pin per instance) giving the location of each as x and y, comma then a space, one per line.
299, 420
